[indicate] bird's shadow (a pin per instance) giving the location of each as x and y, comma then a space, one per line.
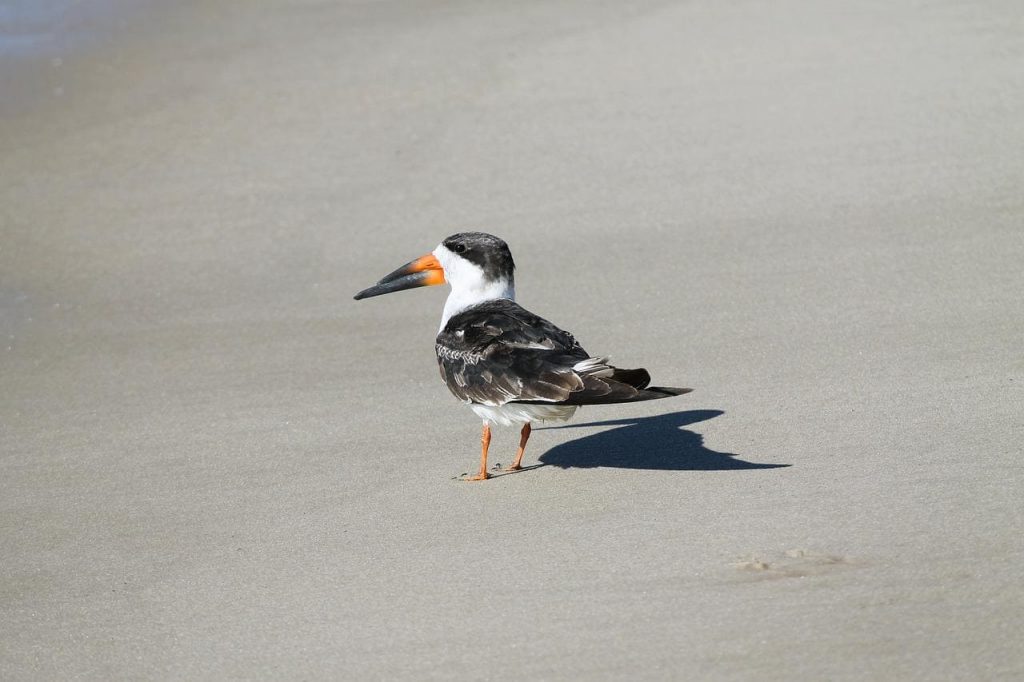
658, 443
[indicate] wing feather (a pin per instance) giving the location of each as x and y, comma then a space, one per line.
498, 352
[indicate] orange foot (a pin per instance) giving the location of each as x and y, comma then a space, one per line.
513, 467
482, 476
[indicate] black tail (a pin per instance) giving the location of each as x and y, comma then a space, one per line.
637, 378
663, 392
652, 393
612, 393
623, 386
640, 379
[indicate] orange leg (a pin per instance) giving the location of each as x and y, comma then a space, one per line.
523, 437
485, 442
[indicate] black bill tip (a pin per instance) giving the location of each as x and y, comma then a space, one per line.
392, 283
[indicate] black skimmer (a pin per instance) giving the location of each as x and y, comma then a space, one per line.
509, 365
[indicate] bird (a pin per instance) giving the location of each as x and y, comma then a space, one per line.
509, 365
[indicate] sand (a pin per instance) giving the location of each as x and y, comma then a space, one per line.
215, 464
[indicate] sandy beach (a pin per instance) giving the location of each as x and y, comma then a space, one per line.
214, 464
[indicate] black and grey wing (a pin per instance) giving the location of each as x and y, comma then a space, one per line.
498, 352
604, 384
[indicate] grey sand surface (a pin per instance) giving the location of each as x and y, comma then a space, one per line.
214, 464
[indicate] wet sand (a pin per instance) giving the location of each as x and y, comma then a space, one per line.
214, 463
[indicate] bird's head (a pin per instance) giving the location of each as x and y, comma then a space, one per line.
477, 265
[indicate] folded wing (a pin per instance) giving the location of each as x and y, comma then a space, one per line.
498, 352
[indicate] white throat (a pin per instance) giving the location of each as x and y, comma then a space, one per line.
469, 286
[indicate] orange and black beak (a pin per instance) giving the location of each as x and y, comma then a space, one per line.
423, 272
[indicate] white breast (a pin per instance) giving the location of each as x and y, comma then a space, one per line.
520, 413
469, 285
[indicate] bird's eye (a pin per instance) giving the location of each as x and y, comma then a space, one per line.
458, 248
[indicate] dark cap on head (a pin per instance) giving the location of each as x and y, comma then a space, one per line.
485, 250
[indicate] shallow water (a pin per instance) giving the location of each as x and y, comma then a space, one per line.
52, 28
45, 46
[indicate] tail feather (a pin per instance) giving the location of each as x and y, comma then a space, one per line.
606, 385
665, 392
614, 396
637, 378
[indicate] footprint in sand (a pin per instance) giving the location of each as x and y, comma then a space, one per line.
792, 563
